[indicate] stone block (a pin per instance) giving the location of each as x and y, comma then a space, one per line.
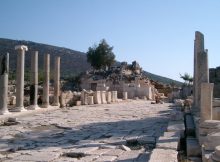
109, 97
97, 97
163, 155
103, 97
78, 103
212, 140
216, 113
192, 147
90, 100
168, 143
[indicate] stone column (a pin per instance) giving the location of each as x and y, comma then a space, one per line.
97, 97
34, 81
201, 71
46, 84
103, 97
90, 100
56, 82
4, 70
20, 78
125, 95
206, 101
109, 97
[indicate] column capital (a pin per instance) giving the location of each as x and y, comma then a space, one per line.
21, 47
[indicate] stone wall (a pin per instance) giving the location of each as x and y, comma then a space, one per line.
214, 77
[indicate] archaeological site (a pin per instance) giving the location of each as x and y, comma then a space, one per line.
117, 114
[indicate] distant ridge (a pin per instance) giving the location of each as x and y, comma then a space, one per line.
72, 62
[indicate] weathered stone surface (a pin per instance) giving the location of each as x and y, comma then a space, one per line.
163, 155
4, 70
20, 78
206, 101
94, 131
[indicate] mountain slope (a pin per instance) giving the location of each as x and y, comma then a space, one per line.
72, 62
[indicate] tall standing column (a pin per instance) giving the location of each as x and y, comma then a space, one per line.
34, 81
4, 70
56, 82
20, 78
46, 83
201, 70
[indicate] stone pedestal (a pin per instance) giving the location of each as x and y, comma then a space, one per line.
90, 100
46, 84
125, 95
20, 78
114, 96
103, 97
206, 101
84, 97
216, 155
56, 82
4, 70
109, 97
97, 97
34, 81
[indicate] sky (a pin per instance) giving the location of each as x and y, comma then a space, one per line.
158, 34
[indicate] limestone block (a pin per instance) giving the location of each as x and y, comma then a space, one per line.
216, 155
109, 97
163, 155
206, 101
209, 126
212, 141
103, 97
97, 97
168, 142
90, 100
216, 113
78, 103
125, 95
114, 96
12, 100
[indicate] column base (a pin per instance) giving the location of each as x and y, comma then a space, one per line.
45, 106
33, 107
56, 104
19, 109
5, 112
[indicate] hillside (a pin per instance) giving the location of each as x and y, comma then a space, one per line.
72, 62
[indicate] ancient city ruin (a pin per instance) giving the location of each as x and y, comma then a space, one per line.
165, 124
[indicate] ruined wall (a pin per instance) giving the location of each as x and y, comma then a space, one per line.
214, 77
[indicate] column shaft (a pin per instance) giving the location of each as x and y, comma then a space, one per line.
46, 83
56, 81
34, 81
4, 70
20, 78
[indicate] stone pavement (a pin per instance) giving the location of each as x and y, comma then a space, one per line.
123, 132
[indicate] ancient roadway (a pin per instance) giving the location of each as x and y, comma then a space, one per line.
125, 131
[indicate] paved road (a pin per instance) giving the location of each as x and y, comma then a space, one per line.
124, 131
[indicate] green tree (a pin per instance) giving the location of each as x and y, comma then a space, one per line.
100, 56
187, 78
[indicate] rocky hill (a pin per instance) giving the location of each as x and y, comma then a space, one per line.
72, 62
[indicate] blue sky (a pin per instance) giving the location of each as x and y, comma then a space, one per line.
159, 34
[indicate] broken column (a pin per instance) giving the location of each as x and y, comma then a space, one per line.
103, 97
46, 83
90, 100
125, 95
206, 101
97, 97
4, 70
109, 97
34, 81
201, 71
56, 82
20, 78
114, 96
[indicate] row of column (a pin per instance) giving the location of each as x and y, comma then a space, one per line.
4, 71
